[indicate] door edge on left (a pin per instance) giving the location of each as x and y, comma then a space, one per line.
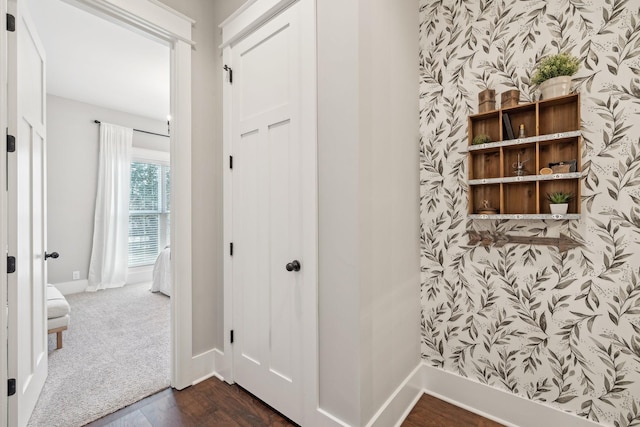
3, 213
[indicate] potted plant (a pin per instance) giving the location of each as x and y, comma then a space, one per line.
480, 139
553, 74
559, 202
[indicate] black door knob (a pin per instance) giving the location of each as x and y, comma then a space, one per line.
293, 265
53, 255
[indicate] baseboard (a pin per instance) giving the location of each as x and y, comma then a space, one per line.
73, 287
223, 366
140, 274
203, 366
203, 363
322, 418
400, 403
494, 404
394, 410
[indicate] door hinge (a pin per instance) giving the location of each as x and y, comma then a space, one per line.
11, 143
11, 387
11, 264
231, 248
231, 336
227, 68
11, 22
230, 162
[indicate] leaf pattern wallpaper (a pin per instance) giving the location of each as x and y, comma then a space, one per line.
559, 329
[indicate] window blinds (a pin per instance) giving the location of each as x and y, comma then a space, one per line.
148, 212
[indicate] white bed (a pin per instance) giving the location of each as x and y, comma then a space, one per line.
162, 273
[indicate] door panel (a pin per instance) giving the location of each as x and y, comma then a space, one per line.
282, 201
267, 224
265, 83
27, 332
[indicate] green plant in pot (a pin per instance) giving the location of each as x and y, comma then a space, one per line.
553, 74
559, 201
480, 139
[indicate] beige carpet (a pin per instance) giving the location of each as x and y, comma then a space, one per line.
115, 353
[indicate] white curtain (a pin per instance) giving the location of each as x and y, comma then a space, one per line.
110, 252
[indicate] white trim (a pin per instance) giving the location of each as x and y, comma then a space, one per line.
408, 409
140, 274
73, 287
3, 213
394, 410
239, 11
325, 419
204, 366
219, 361
497, 405
30, 377
174, 12
160, 22
399, 404
225, 369
148, 16
249, 17
181, 231
309, 152
500, 406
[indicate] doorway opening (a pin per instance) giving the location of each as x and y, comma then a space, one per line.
72, 162
155, 20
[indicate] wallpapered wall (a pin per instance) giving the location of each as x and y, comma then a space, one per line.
562, 329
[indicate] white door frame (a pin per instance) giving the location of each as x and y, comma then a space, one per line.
27, 192
153, 18
158, 20
246, 19
4, 415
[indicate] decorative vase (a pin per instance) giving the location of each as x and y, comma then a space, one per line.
555, 86
559, 208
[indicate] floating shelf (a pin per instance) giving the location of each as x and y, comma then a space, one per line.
524, 216
526, 178
522, 141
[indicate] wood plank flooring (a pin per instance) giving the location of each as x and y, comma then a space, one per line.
216, 403
433, 412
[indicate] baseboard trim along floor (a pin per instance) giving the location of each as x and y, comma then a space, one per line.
494, 404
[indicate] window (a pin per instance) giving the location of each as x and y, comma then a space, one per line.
148, 211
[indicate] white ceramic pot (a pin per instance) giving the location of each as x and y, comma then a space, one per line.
559, 208
556, 86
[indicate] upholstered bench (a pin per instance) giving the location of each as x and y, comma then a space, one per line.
57, 313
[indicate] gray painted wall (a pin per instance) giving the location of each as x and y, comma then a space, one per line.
368, 161
208, 304
369, 225
72, 174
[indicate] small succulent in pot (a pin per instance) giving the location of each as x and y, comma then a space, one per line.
480, 139
562, 64
558, 197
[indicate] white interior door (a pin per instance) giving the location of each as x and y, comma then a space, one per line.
27, 332
267, 197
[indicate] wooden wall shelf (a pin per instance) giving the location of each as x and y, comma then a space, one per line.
524, 216
553, 136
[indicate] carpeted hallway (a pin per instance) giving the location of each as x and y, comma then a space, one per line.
115, 353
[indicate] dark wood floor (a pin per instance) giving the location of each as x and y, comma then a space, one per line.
432, 412
215, 403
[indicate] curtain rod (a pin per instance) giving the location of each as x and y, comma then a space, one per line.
138, 130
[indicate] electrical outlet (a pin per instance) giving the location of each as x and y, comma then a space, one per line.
76, 275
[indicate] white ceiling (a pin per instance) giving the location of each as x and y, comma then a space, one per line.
95, 61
